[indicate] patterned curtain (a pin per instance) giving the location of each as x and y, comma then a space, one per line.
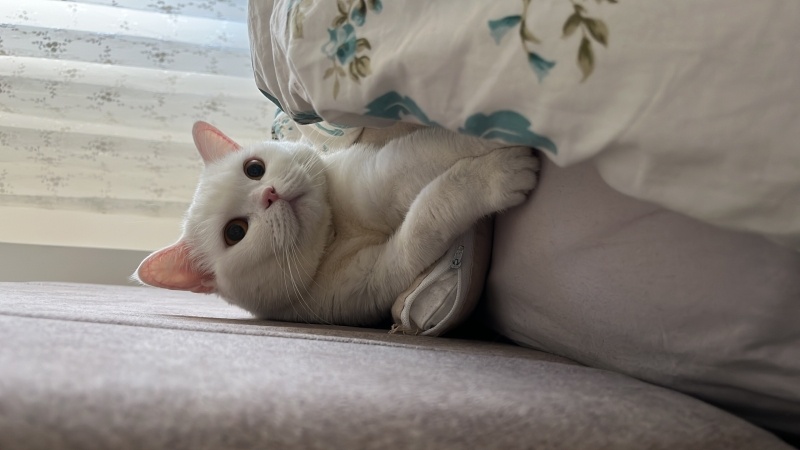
97, 100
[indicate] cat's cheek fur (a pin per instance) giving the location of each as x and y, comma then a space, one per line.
252, 291
263, 289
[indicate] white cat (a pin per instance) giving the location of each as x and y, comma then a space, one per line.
290, 234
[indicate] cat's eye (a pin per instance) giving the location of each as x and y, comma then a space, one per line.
234, 231
254, 168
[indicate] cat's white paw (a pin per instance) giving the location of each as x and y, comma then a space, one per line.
511, 175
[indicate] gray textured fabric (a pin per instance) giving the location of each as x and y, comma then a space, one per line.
616, 283
129, 368
159, 308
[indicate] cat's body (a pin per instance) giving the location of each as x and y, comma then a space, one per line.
333, 238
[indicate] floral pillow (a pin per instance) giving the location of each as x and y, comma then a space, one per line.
685, 104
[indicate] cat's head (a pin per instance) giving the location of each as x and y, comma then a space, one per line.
256, 229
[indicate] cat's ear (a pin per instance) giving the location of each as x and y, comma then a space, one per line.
212, 143
171, 268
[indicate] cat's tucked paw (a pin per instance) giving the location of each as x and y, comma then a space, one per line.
511, 175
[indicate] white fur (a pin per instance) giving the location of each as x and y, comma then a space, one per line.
368, 222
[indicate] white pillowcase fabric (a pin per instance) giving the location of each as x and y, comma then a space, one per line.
694, 106
624, 285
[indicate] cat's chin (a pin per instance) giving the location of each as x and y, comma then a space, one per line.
302, 217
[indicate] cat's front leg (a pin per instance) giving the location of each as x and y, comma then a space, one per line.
448, 206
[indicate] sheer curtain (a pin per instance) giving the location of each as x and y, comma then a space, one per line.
97, 100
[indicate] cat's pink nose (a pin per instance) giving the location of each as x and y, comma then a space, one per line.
269, 197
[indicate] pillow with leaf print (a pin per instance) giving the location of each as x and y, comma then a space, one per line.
689, 105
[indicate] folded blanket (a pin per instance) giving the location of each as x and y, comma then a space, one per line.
691, 105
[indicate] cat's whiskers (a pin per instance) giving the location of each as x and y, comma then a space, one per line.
294, 157
317, 174
297, 289
285, 281
298, 256
290, 277
305, 166
294, 287
298, 266
302, 168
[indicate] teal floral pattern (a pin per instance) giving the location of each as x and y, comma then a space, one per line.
592, 30
395, 106
508, 126
282, 126
330, 131
498, 28
345, 50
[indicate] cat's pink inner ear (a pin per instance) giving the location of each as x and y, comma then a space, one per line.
212, 143
171, 268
